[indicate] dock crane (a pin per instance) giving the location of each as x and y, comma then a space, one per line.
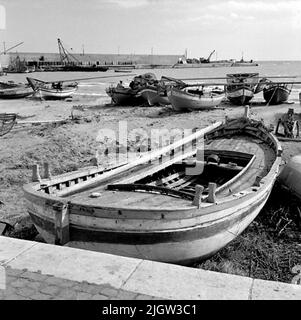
6, 50
203, 60
65, 55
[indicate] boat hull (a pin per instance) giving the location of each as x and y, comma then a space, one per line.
54, 94
154, 98
240, 97
181, 100
276, 94
124, 96
15, 93
181, 246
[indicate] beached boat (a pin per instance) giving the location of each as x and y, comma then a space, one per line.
124, 95
156, 94
52, 90
154, 97
7, 121
194, 99
12, 90
123, 70
276, 93
129, 95
240, 87
177, 204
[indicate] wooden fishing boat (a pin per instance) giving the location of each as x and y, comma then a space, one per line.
157, 93
12, 90
240, 87
7, 121
154, 97
130, 95
194, 99
52, 90
178, 204
124, 95
276, 93
124, 70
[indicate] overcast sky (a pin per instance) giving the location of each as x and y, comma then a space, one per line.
263, 29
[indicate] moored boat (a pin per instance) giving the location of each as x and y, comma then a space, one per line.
194, 99
178, 204
12, 90
52, 90
240, 87
276, 93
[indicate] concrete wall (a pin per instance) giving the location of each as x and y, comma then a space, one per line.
101, 58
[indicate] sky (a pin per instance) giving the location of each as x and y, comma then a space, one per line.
259, 29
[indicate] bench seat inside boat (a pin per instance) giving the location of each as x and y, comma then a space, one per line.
264, 157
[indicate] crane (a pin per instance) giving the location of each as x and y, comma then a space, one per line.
64, 54
203, 60
6, 50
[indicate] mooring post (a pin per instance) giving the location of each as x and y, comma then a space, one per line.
247, 111
198, 195
61, 223
95, 161
47, 174
36, 173
211, 195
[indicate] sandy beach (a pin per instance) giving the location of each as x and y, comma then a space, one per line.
73, 144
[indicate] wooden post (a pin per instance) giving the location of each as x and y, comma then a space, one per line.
47, 174
211, 195
257, 181
36, 173
95, 161
247, 111
198, 195
61, 223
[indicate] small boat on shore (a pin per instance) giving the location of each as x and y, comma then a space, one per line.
124, 95
12, 90
276, 93
178, 204
7, 121
123, 70
240, 87
130, 95
156, 94
194, 99
52, 90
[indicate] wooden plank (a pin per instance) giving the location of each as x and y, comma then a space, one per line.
144, 159
61, 222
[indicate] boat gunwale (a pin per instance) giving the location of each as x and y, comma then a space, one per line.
32, 188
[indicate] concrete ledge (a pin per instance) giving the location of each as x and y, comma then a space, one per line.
142, 277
